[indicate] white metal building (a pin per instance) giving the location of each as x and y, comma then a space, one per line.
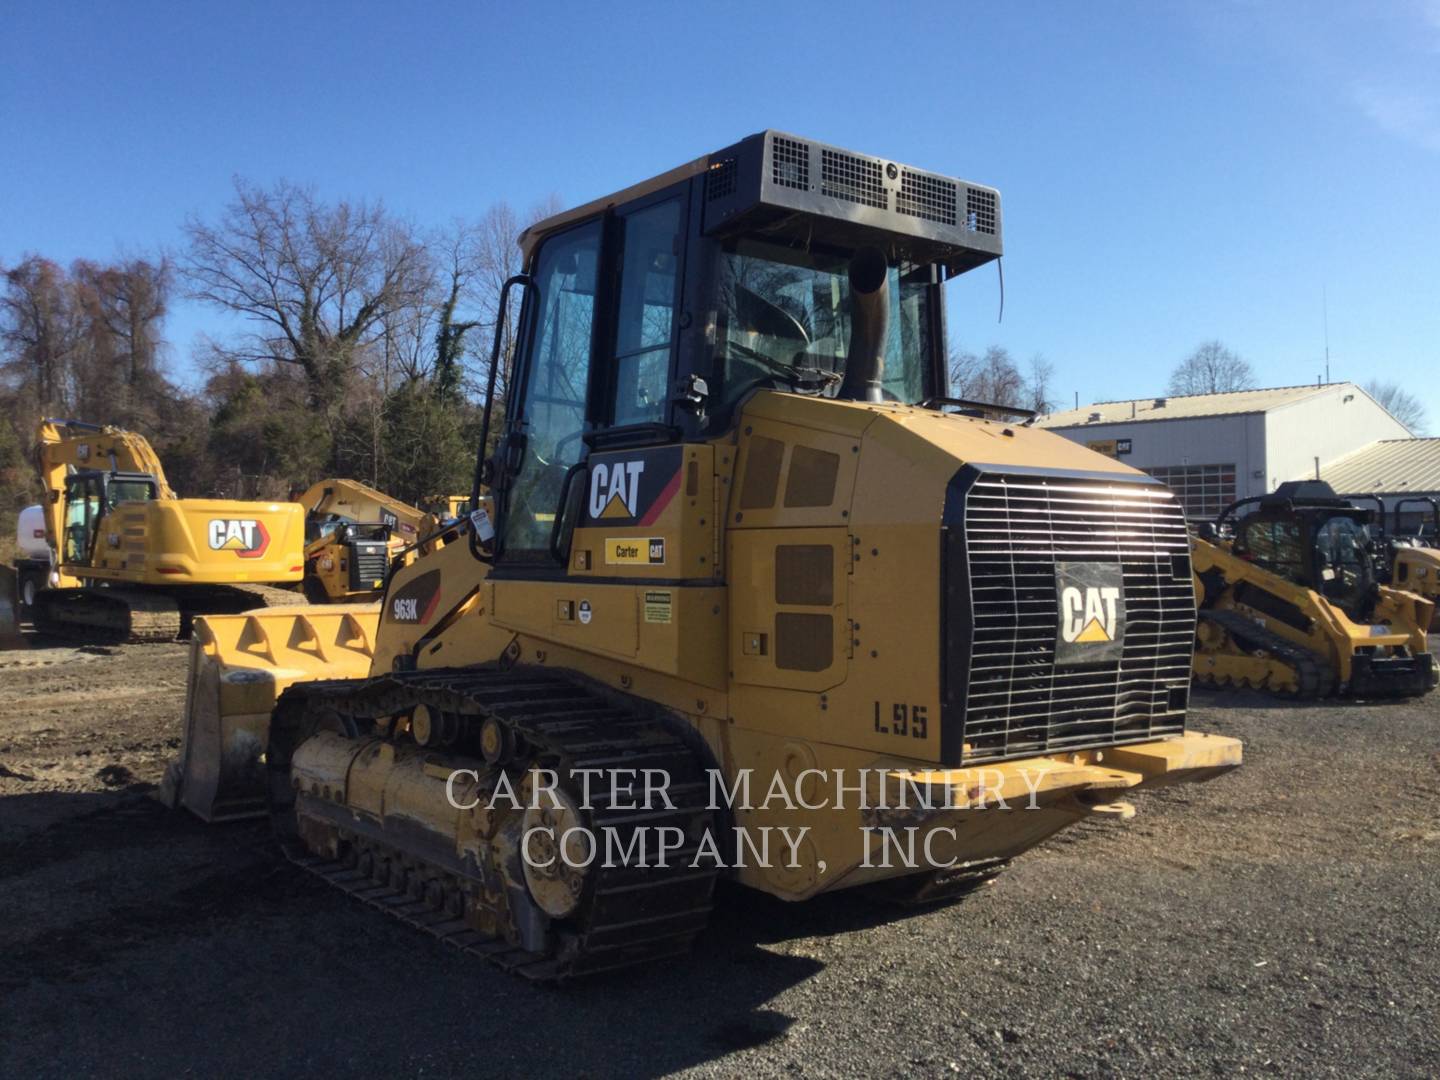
1212, 449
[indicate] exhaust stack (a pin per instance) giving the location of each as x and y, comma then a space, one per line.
869, 326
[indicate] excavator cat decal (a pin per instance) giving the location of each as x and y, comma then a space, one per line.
246, 537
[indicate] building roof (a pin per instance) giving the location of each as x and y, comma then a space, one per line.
1387, 467
1185, 407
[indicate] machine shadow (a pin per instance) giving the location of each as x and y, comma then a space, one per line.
111, 893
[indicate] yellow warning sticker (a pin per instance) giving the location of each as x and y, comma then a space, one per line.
657, 605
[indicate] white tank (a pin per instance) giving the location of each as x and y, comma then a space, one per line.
30, 534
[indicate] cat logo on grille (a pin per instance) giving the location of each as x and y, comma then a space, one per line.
1091, 612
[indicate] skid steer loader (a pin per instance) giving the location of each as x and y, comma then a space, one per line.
134, 562
1405, 560
748, 577
1290, 603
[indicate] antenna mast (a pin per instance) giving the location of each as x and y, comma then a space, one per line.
1325, 314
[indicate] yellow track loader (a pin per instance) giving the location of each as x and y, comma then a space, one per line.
1403, 560
758, 599
133, 562
1291, 603
352, 532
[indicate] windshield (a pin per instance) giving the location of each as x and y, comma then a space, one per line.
784, 317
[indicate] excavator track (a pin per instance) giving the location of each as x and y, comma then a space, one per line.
1313, 677
627, 915
114, 616
131, 616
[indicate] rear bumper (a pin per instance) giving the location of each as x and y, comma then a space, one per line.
1393, 676
916, 821
1086, 782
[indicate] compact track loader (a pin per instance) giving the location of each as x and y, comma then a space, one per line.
748, 577
132, 561
1403, 560
352, 532
1291, 603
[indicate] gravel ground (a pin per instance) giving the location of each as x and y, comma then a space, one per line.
1279, 920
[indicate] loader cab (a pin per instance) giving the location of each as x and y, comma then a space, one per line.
91, 495
650, 317
1315, 540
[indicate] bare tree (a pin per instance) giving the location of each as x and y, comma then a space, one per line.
315, 280
1401, 404
39, 330
1041, 385
1211, 369
497, 258
993, 378
129, 301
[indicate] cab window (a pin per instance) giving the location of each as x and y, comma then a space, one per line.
552, 415
119, 491
1277, 546
1340, 545
645, 320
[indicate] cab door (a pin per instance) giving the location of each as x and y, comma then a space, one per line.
84, 496
599, 333
545, 433
590, 444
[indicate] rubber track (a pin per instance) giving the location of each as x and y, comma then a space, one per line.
631, 915
1314, 679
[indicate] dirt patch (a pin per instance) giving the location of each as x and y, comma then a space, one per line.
1279, 920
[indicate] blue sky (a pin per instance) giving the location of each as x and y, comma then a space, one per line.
1170, 172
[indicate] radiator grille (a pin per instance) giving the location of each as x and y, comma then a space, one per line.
1003, 624
929, 197
844, 176
369, 562
790, 163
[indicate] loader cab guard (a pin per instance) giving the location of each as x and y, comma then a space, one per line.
1430, 538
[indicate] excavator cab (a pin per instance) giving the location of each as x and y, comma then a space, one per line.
91, 495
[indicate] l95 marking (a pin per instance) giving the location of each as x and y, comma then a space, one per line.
904, 720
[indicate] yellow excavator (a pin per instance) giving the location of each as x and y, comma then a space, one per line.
748, 576
132, 561
352, 532
1290, 602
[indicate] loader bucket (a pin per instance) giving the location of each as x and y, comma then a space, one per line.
239, 666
